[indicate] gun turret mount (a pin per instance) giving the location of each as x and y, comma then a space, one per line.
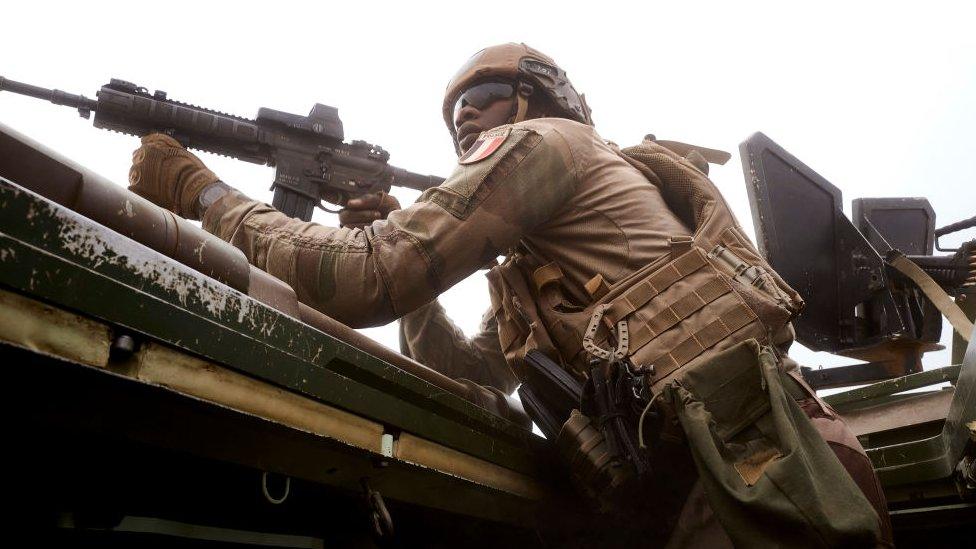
858, 305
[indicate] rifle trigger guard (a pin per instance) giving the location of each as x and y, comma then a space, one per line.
622, 335
321, 206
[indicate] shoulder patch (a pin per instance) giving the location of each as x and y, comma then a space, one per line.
487, 143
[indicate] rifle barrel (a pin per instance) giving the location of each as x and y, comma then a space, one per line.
57, 97
404, 178
958, 226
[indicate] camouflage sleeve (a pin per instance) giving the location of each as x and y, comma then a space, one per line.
368, 277
428, 336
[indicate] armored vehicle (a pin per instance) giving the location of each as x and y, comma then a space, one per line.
164, 392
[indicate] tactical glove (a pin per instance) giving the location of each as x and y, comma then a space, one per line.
362, 211
169, 175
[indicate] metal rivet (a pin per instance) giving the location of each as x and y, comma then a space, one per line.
124, 345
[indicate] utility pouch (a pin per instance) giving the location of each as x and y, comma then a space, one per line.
599, 442
595, 467
767, 474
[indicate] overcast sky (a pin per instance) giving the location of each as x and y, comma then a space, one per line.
878, 97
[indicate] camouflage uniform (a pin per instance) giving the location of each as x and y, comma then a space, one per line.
554, 191
428, 336
554, 188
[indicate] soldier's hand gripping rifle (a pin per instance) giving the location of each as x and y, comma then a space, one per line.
310, 158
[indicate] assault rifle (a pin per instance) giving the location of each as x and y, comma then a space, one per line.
310, 158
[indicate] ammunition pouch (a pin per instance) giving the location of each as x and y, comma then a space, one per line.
766, 472
599, 441
613, 399
599, 444
597, 470
600, 448
627, 455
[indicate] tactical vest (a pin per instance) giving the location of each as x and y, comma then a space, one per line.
712, 291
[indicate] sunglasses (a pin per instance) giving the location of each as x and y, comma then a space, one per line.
482, 95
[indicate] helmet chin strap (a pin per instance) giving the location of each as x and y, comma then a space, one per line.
521, 106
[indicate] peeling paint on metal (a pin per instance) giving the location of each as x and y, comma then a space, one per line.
199, 250
127, 209
100, 247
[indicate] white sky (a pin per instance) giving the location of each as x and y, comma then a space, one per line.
878, 97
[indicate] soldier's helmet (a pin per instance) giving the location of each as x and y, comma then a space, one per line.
527, 70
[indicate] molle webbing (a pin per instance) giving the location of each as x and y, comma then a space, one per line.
512, 321
725, 325
653, 285
508, 329
681, 309
678, 309
545, 275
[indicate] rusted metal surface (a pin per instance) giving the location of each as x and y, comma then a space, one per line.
246, 359
45, 329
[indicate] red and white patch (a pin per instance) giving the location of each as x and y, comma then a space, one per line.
487, 143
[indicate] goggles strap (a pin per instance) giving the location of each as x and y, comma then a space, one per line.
521, 108
521, 102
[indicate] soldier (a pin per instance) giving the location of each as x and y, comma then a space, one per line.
583, 231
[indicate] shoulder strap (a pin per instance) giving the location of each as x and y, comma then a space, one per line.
712, 156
